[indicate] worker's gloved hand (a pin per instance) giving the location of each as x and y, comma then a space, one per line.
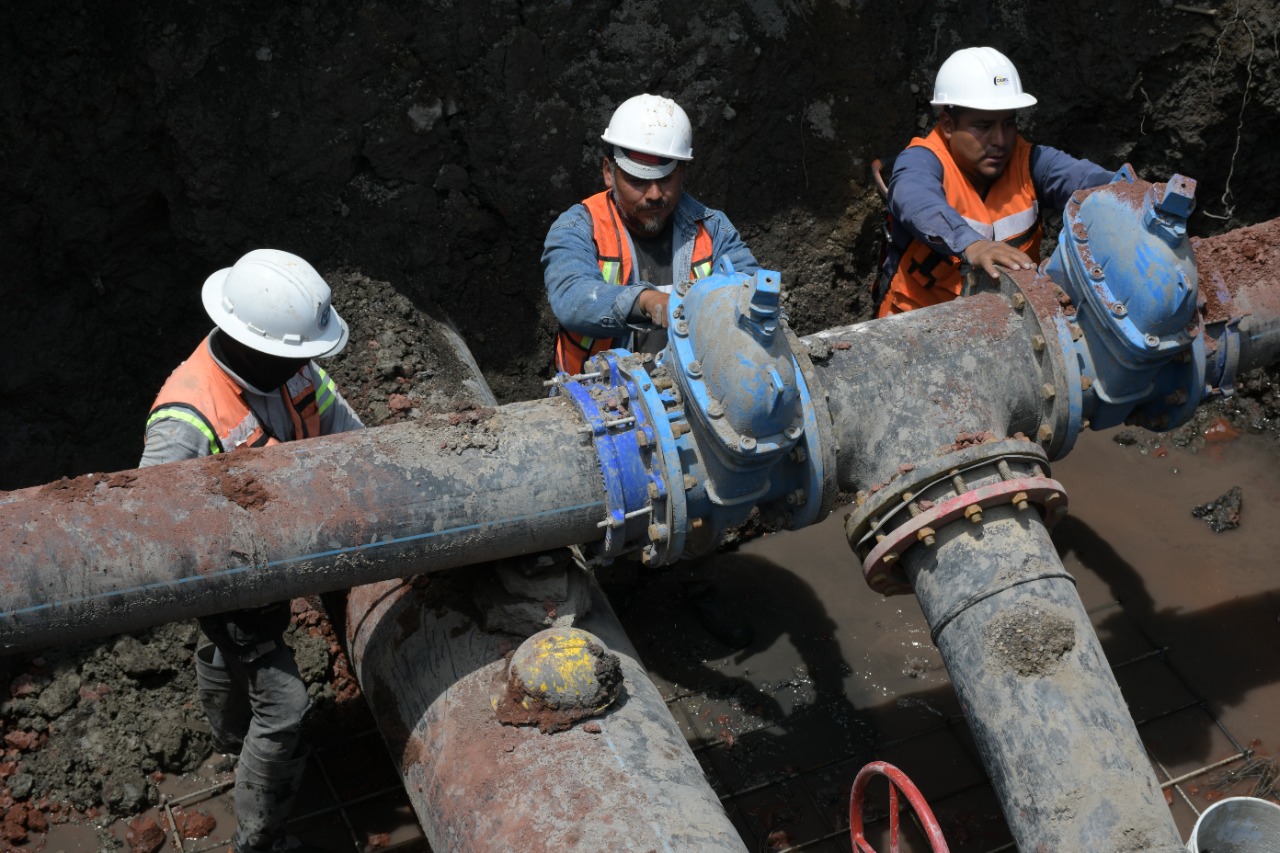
992, 255
652, 305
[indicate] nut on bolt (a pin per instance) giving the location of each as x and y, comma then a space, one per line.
1020, 501
926, 535
658, 532
973, 512
1019, 302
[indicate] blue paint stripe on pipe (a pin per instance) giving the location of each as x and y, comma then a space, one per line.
317, 555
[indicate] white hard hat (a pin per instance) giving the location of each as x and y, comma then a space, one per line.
981, 78
275, 303
653, 127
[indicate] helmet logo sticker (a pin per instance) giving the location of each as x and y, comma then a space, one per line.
324, 318
1000, 80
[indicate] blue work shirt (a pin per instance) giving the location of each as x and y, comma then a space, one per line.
585, 304
918, 205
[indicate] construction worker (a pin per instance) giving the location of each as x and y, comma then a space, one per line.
609, 263
252, 383
972, 190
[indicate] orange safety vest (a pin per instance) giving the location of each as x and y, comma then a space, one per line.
613, 252
200, 393
1009, 213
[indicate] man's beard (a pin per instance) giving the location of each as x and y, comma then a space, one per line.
650, 227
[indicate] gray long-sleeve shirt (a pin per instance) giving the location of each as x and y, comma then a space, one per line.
172, 440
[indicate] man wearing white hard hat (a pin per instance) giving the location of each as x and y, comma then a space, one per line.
610, 262
251, 383
971, 191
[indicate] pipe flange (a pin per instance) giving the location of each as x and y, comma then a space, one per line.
916, 504
1048, 322
876, 510
816, 448
882, 567
617, 398
661, 422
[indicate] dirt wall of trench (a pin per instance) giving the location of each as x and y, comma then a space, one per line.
427, 146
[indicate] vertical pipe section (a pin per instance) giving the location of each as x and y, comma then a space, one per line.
624, 781
103, 554
1053, 730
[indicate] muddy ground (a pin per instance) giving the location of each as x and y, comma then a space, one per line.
416, 153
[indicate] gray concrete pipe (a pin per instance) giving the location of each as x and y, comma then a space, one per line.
102, 554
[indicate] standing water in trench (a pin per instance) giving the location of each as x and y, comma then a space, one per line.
839, 676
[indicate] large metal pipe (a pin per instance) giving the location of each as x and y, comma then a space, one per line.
430, 668
911, 403
934, 412
625, 781
1240, 286
102, 554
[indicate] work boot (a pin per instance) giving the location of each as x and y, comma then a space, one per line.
225, 707
716, 620
264, 795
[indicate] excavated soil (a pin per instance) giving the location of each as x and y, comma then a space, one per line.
415, 153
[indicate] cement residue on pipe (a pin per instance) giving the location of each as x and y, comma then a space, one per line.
243, 489
1031, 641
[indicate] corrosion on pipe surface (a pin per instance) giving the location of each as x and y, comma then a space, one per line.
625, 780
106, 553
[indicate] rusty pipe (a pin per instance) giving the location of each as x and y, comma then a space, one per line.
102, 554
625, 780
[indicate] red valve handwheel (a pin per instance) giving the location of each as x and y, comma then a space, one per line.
898, 781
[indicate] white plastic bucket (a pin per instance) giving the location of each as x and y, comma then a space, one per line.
1237, 825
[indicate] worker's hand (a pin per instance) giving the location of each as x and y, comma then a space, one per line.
992, 256
653, 305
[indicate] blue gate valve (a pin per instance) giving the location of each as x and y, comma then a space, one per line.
1132, 281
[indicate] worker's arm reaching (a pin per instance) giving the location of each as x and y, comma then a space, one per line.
582, 301
917, 201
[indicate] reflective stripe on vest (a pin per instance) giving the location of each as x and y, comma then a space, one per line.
1010, 213
613, 253
201, 394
